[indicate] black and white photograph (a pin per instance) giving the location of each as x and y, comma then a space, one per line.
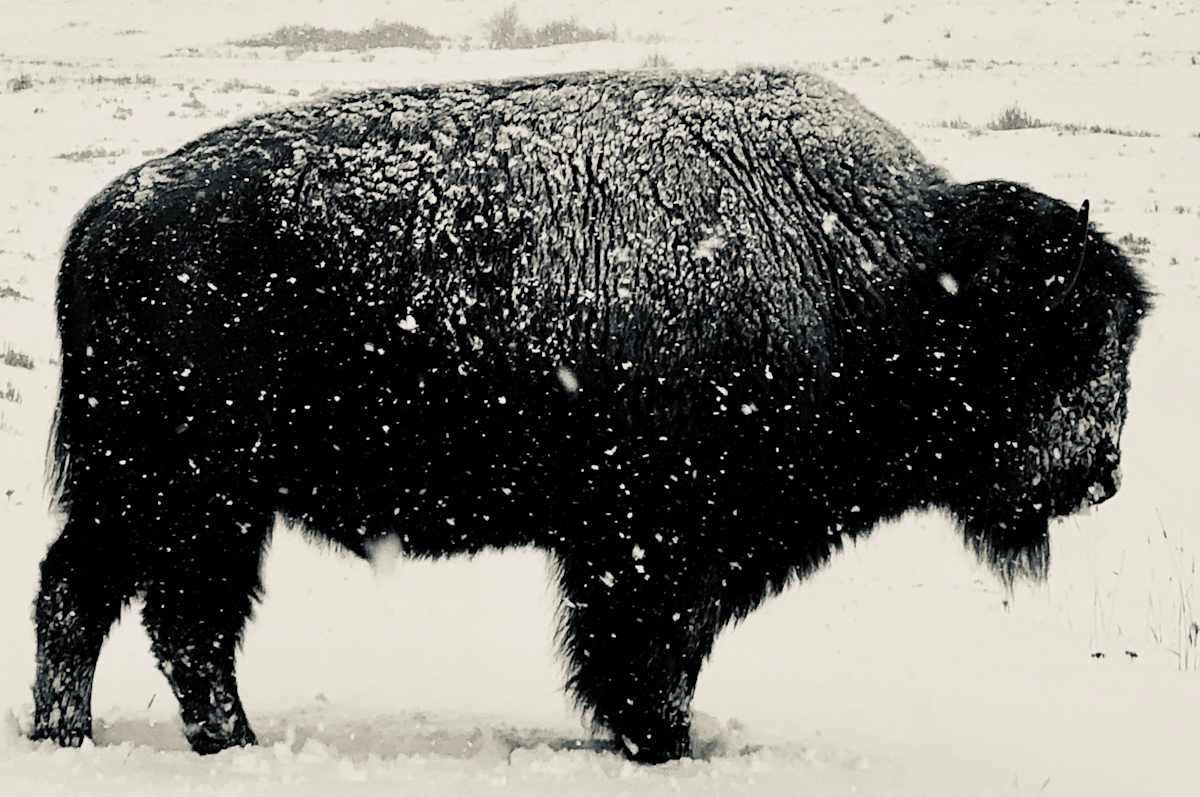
625, 397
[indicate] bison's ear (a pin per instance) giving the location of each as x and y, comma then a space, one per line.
1006, 250
1081, 237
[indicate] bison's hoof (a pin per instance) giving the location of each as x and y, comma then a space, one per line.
206, 739
657, 748
63, 737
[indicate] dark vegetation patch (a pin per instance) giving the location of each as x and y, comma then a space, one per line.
1137, 246
1014, 118
140, 79
505, 31
306, 38
656, 60
957, 123
90, 153
21, 82
1105, 130
9, 292
17, 359
237, 84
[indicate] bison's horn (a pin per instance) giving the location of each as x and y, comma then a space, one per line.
1081, 221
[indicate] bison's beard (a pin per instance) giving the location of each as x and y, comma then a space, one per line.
1014, 545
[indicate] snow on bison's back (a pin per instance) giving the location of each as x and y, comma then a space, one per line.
681, 331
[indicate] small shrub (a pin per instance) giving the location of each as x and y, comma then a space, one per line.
89, 153
941, 64
9, 292
140, 79
567, 31
505, 31
656, 60
17, 359
10, 393
1014, 118
236, 84
1108, 131
307, 38
193, 103
958, 123
21, 82
1136, 245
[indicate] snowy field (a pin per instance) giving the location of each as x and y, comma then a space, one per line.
904, 668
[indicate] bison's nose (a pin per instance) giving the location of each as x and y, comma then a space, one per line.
1105, 487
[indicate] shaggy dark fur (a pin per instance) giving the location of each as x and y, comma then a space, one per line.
683, 332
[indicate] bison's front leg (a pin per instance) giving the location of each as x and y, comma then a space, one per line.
200, 587
638, 620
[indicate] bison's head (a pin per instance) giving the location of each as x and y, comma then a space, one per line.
1036, 318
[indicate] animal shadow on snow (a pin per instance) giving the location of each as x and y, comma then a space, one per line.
387, 736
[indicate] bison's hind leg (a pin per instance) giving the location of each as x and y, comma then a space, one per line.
86, 579
201, 581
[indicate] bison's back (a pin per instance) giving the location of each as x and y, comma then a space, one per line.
671, 225
320, 296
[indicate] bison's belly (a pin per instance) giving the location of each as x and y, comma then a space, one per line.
446, 463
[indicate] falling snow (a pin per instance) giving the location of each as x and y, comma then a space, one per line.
438, 677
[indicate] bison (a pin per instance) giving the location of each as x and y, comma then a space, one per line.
686, 333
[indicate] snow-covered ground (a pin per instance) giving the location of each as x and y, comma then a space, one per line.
902, 669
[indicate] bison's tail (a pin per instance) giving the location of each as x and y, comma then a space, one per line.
64, 425
60, 467
74, 312
56, 457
